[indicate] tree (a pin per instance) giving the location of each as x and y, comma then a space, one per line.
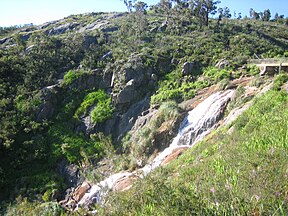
239, 16
202, 9
266, 15
254, 14
140, 16
129, 4
224, 12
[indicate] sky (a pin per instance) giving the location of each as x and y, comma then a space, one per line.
19, 12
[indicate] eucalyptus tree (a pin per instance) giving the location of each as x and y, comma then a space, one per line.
140, 16
129, 4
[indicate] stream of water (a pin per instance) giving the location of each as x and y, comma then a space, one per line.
199, 122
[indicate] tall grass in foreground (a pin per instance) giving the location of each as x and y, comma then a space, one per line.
243, 172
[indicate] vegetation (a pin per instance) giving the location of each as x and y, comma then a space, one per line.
241, 173
52, 78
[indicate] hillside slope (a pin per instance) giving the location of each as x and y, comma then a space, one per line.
96, 94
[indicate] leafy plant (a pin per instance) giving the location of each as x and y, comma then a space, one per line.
216, 74
103, 106
102, 111
72, 75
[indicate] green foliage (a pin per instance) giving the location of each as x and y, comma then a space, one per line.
75, 147
71, 76
178, 88
24, 207
280, 80
253, 70
103, 106
216, 74
24, 103
102, 111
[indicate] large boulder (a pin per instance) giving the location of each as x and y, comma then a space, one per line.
222, 64
62, 28
132, 80
49, 102
128, 94
4, 40
95, 79
127, 120
188, 68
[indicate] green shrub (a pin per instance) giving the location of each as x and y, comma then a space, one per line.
280, 80
103, 109
72, 75
216, 74
27, 103
75, 147
253, 70
177, 88
25, 207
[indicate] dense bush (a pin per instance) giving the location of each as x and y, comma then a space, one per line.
103, 106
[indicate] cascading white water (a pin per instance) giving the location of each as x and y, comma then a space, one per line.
199, 122
195, 126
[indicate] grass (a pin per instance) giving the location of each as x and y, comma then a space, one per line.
239, 173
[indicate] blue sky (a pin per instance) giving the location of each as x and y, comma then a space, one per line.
15, 12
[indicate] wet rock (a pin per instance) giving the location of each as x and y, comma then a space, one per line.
174, 155
80, 191
163, 134
122, 123
124, 183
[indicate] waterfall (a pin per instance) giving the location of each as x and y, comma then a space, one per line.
199, 122
195, 126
